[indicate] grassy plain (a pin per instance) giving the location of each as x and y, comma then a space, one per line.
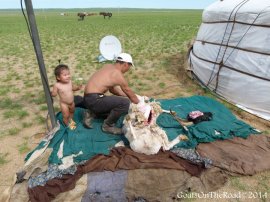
157, 39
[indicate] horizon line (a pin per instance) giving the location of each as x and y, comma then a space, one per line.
111, 8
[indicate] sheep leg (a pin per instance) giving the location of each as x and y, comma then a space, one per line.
166, 111
131, 129
170, 145
182, 122
178, 139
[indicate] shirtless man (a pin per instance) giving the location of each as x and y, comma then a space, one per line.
64, 88
109, 78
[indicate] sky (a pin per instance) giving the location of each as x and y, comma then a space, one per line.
171, 4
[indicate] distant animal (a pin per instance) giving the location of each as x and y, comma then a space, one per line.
141, 130
81, 16
106, 14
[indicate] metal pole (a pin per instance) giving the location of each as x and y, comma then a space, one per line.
38, 51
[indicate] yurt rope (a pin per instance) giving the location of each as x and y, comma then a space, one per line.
235, 47
237, 7
221, 64
223, 39
247, 32
231, 68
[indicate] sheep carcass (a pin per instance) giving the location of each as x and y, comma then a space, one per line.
141, 130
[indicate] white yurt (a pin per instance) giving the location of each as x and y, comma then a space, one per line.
231, 53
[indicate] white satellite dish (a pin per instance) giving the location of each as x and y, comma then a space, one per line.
110, 47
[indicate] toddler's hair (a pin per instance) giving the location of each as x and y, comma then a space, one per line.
59, 68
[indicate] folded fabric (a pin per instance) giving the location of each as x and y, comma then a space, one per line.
197, 116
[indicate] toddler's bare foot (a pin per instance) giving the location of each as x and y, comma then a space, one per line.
72, 124
183, 137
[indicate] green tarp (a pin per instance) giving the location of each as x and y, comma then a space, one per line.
224, 125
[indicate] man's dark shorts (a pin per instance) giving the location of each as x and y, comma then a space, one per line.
111, 106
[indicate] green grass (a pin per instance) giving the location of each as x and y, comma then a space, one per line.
4, 90
144, 34
23, 148
12, 131
263, 184
236, 183
43, 108
39, 99
3, 158
15, 114
8, 103
27, 124
267, 132
162, 85
40, 119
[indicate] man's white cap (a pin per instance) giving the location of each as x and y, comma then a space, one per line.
125, 57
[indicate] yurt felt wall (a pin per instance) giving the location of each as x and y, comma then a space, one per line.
231, 53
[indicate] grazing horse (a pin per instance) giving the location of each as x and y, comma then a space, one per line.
81, 16
106, 14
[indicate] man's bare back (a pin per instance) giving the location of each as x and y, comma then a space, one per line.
110, 77
102, 80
